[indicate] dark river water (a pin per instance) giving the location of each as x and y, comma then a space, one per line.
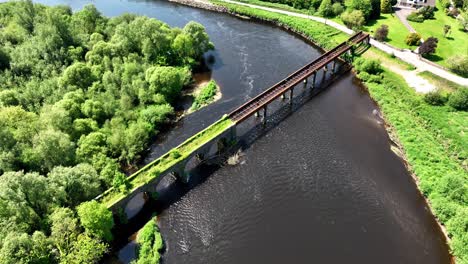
323, 186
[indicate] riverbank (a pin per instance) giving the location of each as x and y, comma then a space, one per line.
430, 158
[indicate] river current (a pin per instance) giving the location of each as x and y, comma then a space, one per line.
323, 186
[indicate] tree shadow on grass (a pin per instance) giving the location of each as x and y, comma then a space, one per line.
433, 57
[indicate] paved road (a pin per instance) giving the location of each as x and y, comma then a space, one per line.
402, 13
404, 55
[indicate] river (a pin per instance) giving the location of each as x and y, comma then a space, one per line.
323, 186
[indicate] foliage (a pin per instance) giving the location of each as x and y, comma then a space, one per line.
427, 12
435, 98
325, 8
428, 46
386, 6
381, 33
337, 8
96, 219
206, 95
459, 99
415, 17
372, 67
459, 64
447, 29
354, 19
413, 39
365, 6
150, 244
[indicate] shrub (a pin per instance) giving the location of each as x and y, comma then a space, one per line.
381, 33
337, 9
454, 12
459, 99
386, 6
427, 12
429, 46
413, 39
443, 208
364, 76
325, 8
415, 17
354, 19
459, 3
96, 219
366, 65
459, 64
454, 187
445, 3
435, 98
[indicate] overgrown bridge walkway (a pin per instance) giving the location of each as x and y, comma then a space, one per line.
262, 100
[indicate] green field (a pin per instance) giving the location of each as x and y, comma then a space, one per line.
397, 32
455, 44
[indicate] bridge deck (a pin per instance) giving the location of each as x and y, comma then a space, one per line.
263, 99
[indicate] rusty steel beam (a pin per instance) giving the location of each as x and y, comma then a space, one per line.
266, 97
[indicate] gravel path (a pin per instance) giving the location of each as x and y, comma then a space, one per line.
417, 82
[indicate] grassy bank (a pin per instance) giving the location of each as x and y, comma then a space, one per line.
433, 138
156, 167
150, 244
323, 35
205, 96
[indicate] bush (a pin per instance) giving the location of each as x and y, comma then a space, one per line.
427, 12
370, 66
364, 76
459, 99
354, 19
445, 3
454, 12
337, 9
325, 8
443, 208
96, 219
459, 64
429, 46
413, 39
415, 17
381, 33
435, 98
386, 6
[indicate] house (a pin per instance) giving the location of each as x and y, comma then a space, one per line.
415, 3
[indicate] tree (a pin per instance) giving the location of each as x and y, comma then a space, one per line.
386, 6
75, 184
86, 249
96, 219
200, 39
325, 8
463, 20
50, 148
26, 14
365, 6
459, 64
337, 9
25, 199
354, 19
413, 39
78, 75
381, 33
429, 46
22, 248
167, 81
375, 14
459, 99
90, 145
447, 29
64, 230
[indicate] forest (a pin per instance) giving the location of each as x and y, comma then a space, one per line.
81, 97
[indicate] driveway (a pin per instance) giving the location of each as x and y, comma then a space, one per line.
402, 13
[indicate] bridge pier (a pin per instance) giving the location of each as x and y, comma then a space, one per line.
305, 83
264, 115
291, 95
313, 80
333, 67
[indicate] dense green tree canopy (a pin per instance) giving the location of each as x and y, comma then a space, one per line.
81, 95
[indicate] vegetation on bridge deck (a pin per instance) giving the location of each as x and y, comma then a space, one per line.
155, 168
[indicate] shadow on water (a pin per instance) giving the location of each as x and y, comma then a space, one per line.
172, 190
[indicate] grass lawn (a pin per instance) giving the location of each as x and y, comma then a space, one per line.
397, 32
455, 44
441, 83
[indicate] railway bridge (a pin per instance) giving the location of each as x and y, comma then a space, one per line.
128, 201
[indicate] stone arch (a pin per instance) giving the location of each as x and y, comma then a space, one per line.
135, 204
